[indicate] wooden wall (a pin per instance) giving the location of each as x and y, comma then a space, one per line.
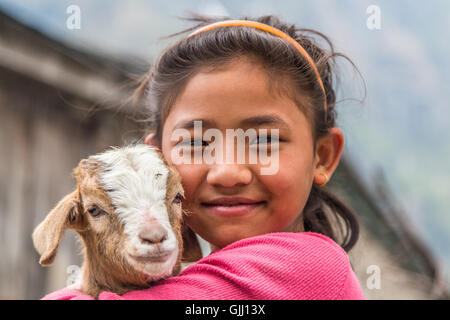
44, 134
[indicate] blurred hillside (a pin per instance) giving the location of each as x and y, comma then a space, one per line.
402, 126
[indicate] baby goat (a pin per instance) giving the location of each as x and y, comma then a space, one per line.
127, 210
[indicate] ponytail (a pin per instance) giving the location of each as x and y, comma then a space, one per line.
327, 214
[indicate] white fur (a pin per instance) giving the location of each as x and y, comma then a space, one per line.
136, 180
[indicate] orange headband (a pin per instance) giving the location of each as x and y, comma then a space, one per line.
275, 31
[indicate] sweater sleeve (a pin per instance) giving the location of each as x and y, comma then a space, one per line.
275, 266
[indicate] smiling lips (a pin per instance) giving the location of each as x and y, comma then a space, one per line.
231, 206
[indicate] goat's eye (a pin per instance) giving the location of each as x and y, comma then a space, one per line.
95, 211
177, 198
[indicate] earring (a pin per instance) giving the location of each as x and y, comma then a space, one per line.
326, 180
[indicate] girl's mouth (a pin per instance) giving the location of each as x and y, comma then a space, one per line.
232, 206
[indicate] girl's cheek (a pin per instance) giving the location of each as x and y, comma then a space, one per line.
280, 186
291, 183
286, 176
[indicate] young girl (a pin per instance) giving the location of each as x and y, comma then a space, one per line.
274, 236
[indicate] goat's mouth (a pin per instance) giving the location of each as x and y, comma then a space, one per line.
152, 258
154, 266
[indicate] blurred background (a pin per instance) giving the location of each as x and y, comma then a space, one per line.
395, 170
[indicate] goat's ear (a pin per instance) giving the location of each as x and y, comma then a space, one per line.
191, 248
48, 233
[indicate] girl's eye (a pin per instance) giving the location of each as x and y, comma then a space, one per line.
192, 142
262, 139
177, 198
95, 211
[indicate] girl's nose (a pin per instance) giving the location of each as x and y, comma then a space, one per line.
229, 175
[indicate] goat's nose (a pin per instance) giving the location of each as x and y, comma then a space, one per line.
153, 234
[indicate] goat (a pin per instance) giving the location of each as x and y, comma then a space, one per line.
127, 211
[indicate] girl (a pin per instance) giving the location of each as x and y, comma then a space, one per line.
273, 236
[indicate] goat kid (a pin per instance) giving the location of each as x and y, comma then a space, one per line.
127, 211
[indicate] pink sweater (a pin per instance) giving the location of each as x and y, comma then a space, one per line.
274, 266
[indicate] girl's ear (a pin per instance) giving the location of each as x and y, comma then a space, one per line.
328, 153
191, 248
151, 141
48, 233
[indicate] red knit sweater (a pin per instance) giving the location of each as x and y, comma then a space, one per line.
282, 266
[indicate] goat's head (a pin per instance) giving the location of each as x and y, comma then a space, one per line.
127, 209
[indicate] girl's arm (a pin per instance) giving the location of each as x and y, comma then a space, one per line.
282, 266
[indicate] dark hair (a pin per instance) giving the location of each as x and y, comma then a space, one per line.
213, 49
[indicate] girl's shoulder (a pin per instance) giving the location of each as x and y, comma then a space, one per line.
294, 244
286, 265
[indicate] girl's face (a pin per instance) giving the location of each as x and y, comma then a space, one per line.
229, 99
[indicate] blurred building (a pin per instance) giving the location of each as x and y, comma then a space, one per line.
59, 104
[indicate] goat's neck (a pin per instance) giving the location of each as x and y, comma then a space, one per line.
95, 279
